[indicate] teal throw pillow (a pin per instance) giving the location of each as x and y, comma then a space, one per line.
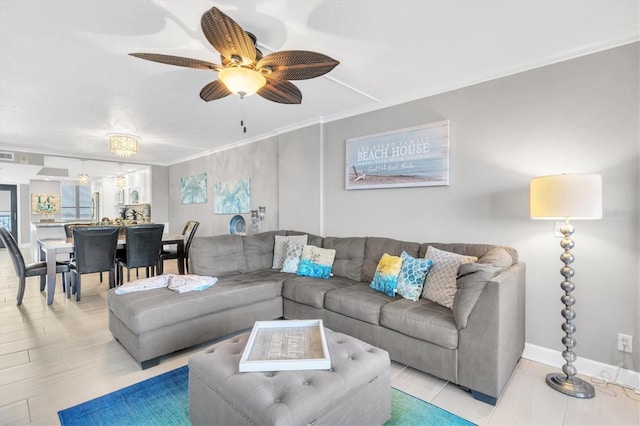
412, 276
316, 262
385, 279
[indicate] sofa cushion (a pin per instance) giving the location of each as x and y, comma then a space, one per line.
312, 240
258, 249
385, 279
280, 248
440, 285
375, 247
217, 256
265, 275
316, 262
472, 279
498, 257
311, 291
423, 320
412, 276
468, 249
357, 301
349, 256
153, 309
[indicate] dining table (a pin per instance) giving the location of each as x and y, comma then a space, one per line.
51, 247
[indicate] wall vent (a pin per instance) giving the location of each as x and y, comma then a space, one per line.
53, 171
6, 156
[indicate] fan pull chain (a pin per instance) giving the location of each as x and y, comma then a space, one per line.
242, 119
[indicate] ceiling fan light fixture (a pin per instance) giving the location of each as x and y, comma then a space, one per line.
241, 80
122, 144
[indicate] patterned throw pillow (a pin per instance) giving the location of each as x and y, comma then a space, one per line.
292, 257
316, 262
412, 276
280, 248
440, 285
385, 279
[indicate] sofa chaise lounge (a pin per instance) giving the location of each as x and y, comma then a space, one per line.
475, 344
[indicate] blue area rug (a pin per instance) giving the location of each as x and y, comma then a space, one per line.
164, 400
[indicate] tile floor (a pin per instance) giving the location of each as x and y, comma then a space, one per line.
53, 357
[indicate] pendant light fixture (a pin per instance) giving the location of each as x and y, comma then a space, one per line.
83, 178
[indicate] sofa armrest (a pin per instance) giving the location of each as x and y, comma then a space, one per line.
493, 341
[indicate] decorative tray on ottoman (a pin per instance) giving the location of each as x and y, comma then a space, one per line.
286, 345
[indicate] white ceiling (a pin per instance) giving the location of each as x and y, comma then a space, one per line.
66, 79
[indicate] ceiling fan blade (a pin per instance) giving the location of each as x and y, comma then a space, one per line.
214, 90
296, 64
178, 60
227, 37
281, 91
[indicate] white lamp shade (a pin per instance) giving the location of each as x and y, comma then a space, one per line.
575, 196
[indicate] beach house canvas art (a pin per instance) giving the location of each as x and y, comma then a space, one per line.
415, 156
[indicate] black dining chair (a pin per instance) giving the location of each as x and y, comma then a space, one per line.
24, 270
68, 230
94, 249
171, 252
143, 243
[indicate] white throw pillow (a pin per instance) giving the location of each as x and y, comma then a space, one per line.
280, 248
440, 286
292, 258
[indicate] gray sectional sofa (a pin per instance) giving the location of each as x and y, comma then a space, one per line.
475, 344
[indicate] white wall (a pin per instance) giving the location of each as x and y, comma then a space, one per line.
160, 196
577, 116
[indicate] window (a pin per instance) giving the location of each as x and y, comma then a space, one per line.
75, 202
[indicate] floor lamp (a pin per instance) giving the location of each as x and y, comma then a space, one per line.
575, 196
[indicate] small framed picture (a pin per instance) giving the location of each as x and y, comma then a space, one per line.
134, 196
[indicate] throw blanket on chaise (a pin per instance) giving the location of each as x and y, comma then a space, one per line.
177, 283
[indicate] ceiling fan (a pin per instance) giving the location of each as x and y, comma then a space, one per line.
244, 70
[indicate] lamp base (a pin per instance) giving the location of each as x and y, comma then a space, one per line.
571, 386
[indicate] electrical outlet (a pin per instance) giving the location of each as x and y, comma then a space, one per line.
625, 342
557, 232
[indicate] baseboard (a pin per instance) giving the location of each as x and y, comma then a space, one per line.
586, 367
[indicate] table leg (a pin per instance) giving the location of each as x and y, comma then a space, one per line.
181, 257
51, 274
42, 257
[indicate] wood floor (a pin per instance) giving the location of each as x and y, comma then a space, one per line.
53, 357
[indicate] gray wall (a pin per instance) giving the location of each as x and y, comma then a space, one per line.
300, 180
577, 116
257, 161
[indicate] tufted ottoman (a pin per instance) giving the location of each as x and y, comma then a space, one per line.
356, 391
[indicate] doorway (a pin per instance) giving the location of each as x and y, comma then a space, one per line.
9, 209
